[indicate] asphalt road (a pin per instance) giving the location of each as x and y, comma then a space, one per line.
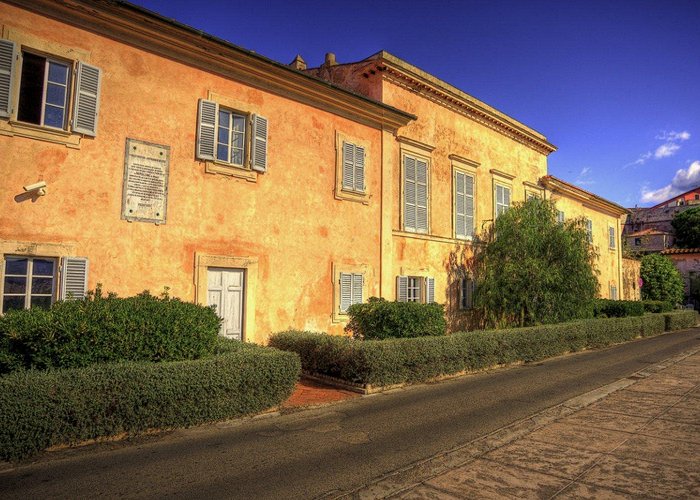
336, 448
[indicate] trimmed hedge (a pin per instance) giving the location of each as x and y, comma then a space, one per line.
680, 320
617, 308
657, 306
39, 409
381, 319
74, 334
395, 361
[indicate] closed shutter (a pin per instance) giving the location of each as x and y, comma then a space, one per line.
464, 205
469, 206
74, 274
345, 291
506, 197
359, 168
611, 232
259, 156
87, 99
409, 193
357, 288
429, 290
421, 196
348, 166
206, 129
7, 67
402, 288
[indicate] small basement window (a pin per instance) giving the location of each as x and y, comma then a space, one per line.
43, 94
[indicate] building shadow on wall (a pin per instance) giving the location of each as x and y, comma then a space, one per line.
459, 314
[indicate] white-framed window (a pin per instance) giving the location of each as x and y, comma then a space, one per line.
611, 237
501, 198
28, 282
231, 137
561, 217
353, 168
46, 87
613, 291
415, 194
463, 204
589, 230
351, 290
415, 289
467, 286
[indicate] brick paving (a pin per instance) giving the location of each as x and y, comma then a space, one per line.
636, 438
312, 393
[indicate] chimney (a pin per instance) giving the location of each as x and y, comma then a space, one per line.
330, 59
298, 63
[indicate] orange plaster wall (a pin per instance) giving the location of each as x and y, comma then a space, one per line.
289, 219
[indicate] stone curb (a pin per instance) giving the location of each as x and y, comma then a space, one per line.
413, 475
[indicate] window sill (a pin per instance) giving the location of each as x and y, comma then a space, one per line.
215, 167
431, 237
31, 131
356, 196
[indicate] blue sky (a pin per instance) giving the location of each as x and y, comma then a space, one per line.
615, 84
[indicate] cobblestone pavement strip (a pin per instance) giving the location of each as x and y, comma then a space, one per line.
637, 437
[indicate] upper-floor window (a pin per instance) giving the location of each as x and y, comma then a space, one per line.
353, 167
589, 230
502, 199
637, 242
463, 204
415, 194
611, 238
48, 88
230, 140
560, 217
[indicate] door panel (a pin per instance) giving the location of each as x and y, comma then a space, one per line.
226, 293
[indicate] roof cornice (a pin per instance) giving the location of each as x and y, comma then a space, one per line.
402, 73
592, 200
147, 30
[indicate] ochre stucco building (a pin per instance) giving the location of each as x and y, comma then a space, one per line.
141, 154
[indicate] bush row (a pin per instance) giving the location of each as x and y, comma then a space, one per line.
39, 409
679, 320
106, 329
394, 361
607, 308
657, 306
380, 319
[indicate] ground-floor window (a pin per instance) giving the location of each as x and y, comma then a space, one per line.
415, 289
28, 282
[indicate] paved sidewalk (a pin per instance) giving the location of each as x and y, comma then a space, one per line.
638, 437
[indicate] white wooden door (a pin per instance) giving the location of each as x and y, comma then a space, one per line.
225, 290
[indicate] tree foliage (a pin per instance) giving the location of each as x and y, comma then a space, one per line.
661, 280
687, 228
531, 269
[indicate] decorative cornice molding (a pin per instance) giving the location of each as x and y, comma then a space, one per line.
466, 161
414, 143
462, 106
503, 174
587, 198
138, 27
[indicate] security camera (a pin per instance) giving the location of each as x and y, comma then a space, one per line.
38, 187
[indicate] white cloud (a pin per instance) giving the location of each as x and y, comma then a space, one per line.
684, 180
668, 149
584, 171
673, 136
584, 177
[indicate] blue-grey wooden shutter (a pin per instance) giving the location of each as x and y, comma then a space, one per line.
86, 105
7, 68
359, 168
259, 144
74, 275
348, 166
459, 208
357, 288
429, 290
468, 206
206, 129
409, 193
402, 288
611, 233
345, 291
421, 196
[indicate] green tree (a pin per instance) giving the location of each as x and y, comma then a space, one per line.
687, 228
531, 269
660, 279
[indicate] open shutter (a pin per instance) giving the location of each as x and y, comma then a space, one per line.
409, 193
357, 288
345, 291
74, 274
402, 288
421, 196
348, 166
359, 168
7, 67
206, 129
429, 290
87, 99
259, 156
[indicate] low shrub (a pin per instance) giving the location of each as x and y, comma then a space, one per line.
381, 319
101, 329
39, 409
606, 308
680, 320
657, 306
394, 361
